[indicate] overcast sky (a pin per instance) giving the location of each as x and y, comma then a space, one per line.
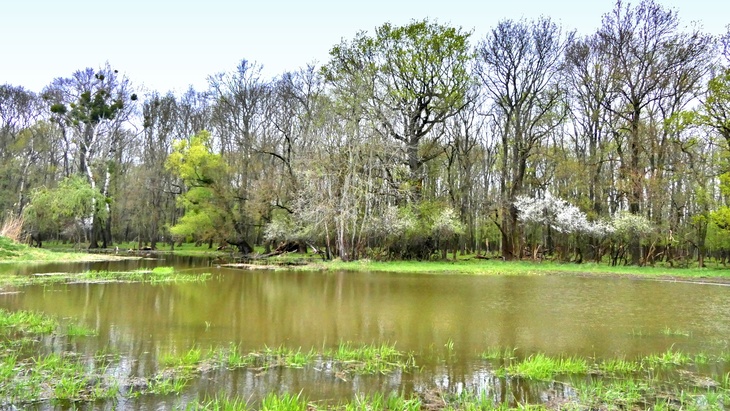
169, 45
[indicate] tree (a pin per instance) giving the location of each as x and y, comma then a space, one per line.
210, 212
561, 216
94, 105
646, 53
407, 80
25, 146
65, 208
518, 64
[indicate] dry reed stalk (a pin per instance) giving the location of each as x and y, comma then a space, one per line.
12, 227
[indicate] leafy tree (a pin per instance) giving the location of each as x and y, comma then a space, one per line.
65, 208
407, 80
208, 215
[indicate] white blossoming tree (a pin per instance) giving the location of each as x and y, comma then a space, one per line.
553, 213
628, 227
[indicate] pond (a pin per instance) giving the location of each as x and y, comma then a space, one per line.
446, 321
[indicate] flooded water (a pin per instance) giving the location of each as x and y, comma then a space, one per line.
445, 320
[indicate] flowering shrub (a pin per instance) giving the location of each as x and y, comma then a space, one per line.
560, 215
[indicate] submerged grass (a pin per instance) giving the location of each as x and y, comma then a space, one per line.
669, 357
26, 322
156, 275
608, 384
345, 358
188, 359
496, 353
542, 367
370, 358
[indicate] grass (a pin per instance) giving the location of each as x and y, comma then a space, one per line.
154, 276
218, 403
542, 367
369, 358
667, 358
619, 366
14, 252
670, 332
608, 384
26, 322
79, 330
470, 266
188, 359
287, 357
496, 353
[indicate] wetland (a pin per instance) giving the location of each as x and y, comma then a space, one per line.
186, 332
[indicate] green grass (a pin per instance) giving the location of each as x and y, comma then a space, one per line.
608, 384
284, 402
78, 330
542, 367
471, 266
381, 402
26, 322
189, 359
165, 385
54, 376
288, 357
670, 332
667, 358
496, 353
154, 276
619, 366
13, 252
218, 403
369, 358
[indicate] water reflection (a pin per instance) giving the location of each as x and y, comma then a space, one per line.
446, 320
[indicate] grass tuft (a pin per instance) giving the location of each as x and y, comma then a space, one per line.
541, 367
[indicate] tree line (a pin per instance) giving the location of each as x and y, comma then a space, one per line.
413, 141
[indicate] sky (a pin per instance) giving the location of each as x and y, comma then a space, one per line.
165, 45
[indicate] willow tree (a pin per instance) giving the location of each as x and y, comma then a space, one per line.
207, 206
518, 64
407, 80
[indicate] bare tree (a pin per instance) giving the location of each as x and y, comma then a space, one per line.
518, 64
647, 56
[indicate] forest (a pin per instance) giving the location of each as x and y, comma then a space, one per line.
411, 142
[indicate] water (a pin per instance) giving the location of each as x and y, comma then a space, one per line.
446, 320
